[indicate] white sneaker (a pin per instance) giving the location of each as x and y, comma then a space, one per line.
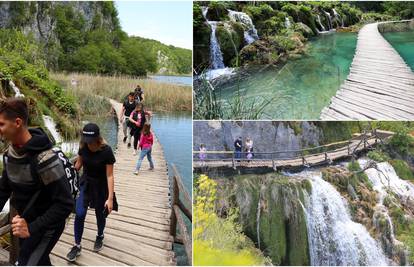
135, 153
136, 172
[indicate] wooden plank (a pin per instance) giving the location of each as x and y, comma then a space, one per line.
139, 233
380, 85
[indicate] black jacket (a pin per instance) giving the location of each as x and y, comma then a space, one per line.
55, 202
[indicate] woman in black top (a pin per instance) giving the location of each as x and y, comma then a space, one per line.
96, 185
138, 118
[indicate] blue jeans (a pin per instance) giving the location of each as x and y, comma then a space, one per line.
81, 214
145, 152
238, 154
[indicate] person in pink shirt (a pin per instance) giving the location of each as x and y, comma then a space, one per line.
145, 143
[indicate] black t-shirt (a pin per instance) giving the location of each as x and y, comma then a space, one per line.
138, 95
238, 145
129, 107
94, 163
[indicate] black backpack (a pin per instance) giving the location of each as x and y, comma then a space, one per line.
72, 176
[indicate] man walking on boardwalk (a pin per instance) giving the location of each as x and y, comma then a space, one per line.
35, 178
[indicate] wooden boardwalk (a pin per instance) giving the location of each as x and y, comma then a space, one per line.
353, 147
380, 85
139, 234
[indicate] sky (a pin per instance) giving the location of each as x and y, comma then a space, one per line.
170, 22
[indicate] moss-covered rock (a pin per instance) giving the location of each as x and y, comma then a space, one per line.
272, 215
217, 11
201, 40
230, 37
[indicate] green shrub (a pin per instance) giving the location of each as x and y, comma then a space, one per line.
378, 156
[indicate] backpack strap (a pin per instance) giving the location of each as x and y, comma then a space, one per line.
35, 174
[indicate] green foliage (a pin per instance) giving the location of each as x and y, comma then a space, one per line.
378, 156
96, 46
219, 241
401, 142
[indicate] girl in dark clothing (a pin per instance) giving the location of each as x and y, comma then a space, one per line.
96, 185
138, 118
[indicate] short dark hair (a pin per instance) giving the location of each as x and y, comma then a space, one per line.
131, 94
14, 108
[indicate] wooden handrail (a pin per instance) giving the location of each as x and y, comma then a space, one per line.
177, 208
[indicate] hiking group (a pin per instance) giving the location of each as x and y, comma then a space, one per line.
44, 186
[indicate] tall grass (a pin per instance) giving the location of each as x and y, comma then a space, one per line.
158, 96
208, 106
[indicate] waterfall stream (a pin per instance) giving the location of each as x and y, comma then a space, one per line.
334, 239
216, 56
250, 33
16, 90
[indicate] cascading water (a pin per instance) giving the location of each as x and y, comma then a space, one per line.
384, 177
318, 19
328, 15
258, 221
50, 124
287, 23
216, 57
16, 90
334, 239
338, 17
250, 33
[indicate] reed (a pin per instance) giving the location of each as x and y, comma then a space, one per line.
158, 96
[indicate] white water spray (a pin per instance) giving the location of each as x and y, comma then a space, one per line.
250, 33
334, 239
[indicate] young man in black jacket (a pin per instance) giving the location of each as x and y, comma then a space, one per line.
30, 166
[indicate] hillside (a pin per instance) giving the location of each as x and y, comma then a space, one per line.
87, 37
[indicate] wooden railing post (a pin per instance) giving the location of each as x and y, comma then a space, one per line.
177, 206
233, 160
174, 201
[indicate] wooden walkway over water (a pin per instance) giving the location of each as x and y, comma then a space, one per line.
139, 234
380, 85
325, 154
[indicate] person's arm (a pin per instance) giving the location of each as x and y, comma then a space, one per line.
122, 112
131, 119
110, 174
142, 96
79, 163
141, 140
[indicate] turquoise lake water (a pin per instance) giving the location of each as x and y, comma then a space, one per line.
403, 42
301, 87
174, 132
180, 80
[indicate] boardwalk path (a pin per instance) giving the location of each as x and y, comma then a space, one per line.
380, 85
355, 146
139, 233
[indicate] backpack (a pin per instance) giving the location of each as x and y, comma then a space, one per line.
141, 121
71, 175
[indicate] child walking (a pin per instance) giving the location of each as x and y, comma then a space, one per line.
145, 143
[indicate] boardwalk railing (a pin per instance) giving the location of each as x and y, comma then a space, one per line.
177, 209
351, 146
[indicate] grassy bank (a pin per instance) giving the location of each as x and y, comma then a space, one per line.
158, 96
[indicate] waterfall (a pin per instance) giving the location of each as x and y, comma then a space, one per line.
287, 23
320, 23
385, 177
16, 90
216, 57
50, 124
250, 33
258, 221
338, 17
328, 15
334, 239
